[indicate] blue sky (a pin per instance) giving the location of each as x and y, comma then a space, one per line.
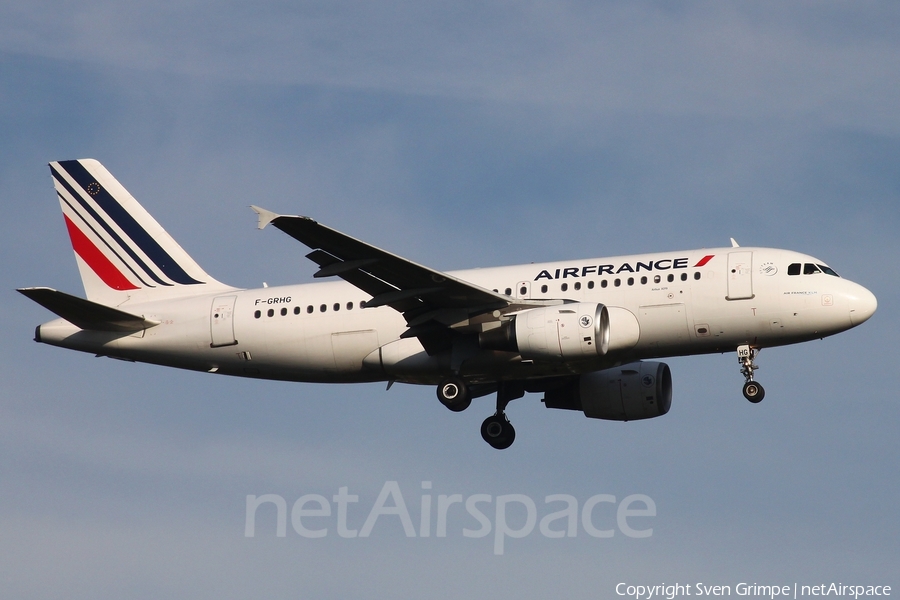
459, 135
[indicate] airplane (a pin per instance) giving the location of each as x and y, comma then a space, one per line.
582, 332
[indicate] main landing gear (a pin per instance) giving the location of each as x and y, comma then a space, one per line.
454, 394
753, 391
496, 429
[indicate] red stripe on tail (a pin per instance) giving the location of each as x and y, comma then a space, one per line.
96, 260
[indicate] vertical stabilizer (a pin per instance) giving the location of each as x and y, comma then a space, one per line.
122, 252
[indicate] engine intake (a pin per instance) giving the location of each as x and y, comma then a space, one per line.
640, 390
564, 332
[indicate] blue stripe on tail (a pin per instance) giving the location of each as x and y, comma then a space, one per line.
100, 237
128, 224
109, 230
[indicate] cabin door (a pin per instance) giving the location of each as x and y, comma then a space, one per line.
740, 275
221, 321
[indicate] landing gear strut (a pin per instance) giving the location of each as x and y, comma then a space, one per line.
496, 429
753, 391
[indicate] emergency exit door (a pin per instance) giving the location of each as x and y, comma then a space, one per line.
221, 321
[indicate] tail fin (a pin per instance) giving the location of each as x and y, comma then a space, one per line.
121, 251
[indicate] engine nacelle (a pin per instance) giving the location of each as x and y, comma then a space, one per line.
564, 332
640, 390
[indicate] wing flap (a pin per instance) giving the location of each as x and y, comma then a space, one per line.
84, 313
340, 267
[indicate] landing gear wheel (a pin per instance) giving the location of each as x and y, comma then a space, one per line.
754, 392
498, 431
454, 394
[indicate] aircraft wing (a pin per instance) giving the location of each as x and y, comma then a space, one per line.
431, 301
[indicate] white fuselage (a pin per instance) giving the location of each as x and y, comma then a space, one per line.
668, 304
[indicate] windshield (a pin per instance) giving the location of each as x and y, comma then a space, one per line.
828, 270
810, 269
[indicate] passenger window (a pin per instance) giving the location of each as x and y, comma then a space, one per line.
604, 283
296, 310
508, 291
336, 306
323, 308
578, 285
591, 284
810, 269
543, 289
310, 309
656, 279
563, 287
631, 281
257, 315
362, 304
697, 275
283, 312
644, 280
349, 306
271, 312
794, 269
684, 276
670, 278
523, 290
617, 282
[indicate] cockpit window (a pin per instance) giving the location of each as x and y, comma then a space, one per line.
810, 269
828, 270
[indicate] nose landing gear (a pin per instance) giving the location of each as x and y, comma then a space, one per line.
753, 391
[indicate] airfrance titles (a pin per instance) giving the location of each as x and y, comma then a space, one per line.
664, 264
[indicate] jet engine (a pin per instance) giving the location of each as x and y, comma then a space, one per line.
564, 332
640, 390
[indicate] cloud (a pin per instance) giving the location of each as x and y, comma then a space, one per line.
823, 63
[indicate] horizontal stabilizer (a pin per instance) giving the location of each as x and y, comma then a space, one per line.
86, 314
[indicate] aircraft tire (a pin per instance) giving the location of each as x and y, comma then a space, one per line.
754, 392
454, 394
498, 432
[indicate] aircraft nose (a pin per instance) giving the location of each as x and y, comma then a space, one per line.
862, 305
